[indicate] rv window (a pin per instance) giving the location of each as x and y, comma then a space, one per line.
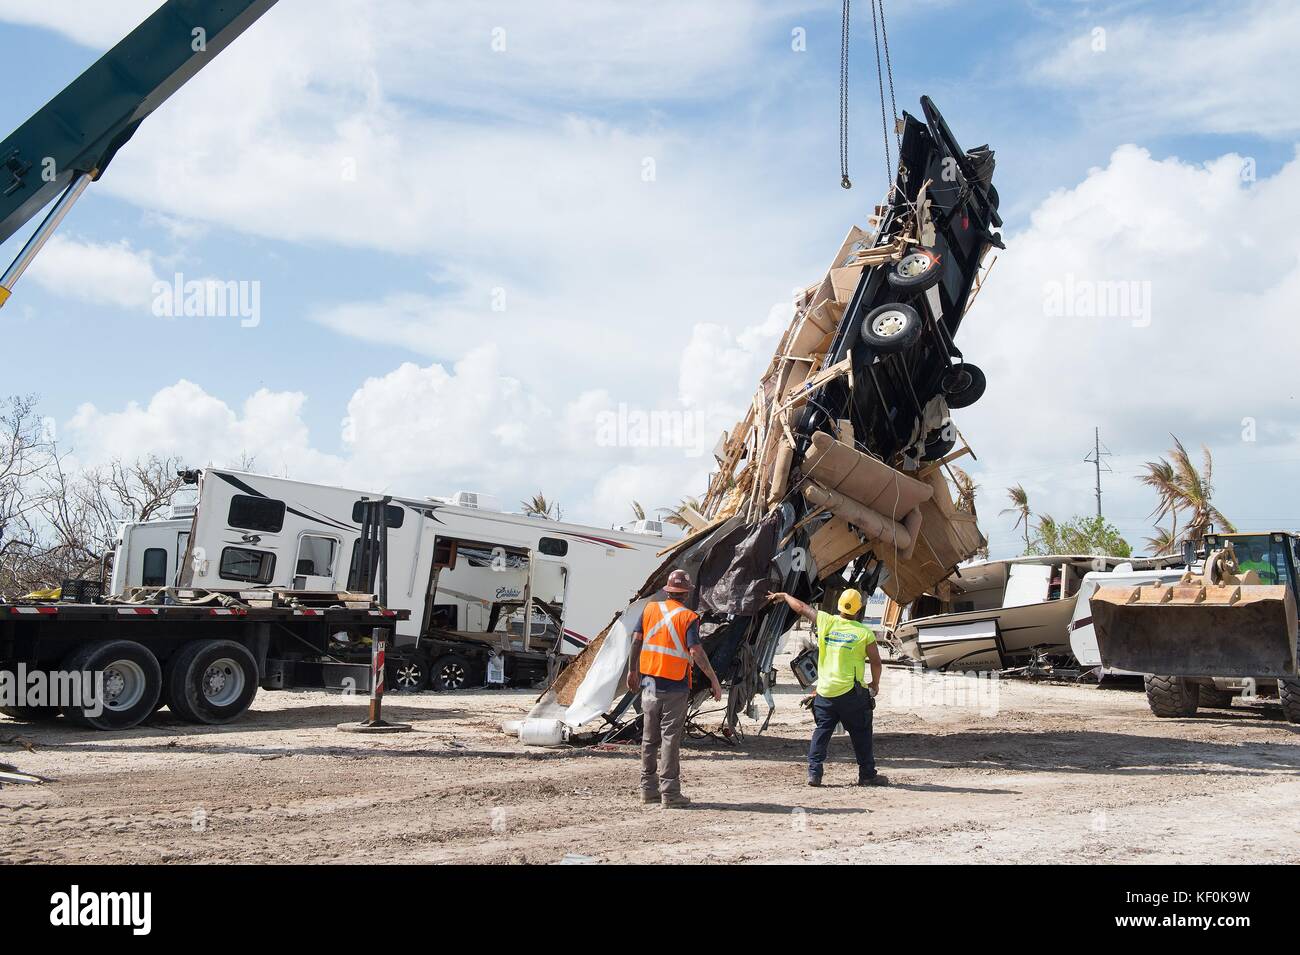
354, 566
393, 514
256, 513
553, 546
240, 563
155, 568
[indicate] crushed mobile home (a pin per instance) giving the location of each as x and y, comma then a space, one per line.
835, 477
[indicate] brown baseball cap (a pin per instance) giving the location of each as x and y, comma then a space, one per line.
679, 582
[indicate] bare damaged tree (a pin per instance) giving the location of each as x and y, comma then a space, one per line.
26, 450
84, 510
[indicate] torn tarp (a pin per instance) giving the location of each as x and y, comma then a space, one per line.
733, 578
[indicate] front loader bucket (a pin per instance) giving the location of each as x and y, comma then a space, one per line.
1190, 629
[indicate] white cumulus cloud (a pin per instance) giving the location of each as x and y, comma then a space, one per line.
100, 273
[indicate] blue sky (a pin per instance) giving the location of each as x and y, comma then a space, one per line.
516, 177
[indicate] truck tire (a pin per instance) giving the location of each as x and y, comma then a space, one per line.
1172, 696
1288, 691
132, 683
211, 681
1215, 698
30, 714
453, 672
891, 327
410, 675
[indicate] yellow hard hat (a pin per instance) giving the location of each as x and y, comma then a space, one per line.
850, 602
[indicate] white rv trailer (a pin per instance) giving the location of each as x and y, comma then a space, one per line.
490, 594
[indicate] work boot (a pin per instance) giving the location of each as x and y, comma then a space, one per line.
876, 779
649, 796
814, 779
674, 801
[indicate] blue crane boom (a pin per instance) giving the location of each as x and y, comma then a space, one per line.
68, 142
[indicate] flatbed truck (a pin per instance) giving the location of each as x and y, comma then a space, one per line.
202, 654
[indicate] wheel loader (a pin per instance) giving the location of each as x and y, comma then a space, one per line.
1228, 626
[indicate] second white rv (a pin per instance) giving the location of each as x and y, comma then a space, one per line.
492, 596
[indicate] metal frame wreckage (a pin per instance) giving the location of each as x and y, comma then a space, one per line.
836, 475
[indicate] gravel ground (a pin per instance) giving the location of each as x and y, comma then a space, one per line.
1003, 772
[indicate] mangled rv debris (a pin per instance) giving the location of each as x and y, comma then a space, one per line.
835, 477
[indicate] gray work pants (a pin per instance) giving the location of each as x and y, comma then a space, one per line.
664, 716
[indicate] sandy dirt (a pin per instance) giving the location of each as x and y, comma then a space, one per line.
1017, 772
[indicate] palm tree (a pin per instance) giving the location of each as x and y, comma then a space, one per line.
1163, 541
1196, 488
1161, 478
966, 488
638, 511
539, 506
1047, 536
1019, 506
1181, 486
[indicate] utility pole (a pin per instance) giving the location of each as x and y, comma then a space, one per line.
1094, 457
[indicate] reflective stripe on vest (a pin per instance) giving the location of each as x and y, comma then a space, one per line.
663, 650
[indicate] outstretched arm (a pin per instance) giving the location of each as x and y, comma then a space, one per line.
795, 604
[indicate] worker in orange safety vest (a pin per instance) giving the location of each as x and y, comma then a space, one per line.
665, 644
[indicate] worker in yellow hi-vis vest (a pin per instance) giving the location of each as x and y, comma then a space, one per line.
844, 646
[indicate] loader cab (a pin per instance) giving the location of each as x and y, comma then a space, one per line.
1271, 555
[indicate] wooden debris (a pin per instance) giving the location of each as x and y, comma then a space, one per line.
869, 501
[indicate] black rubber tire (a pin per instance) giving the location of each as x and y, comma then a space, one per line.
408, 675
1288, 692
1172, 696
938, 444
453, 672
96, 657
904, 333
918, 282
963, 385
189, 667
1215, 698
31, 714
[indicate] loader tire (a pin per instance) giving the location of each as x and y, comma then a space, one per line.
211, 681
1288, 691
1215, 698
1172, 696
